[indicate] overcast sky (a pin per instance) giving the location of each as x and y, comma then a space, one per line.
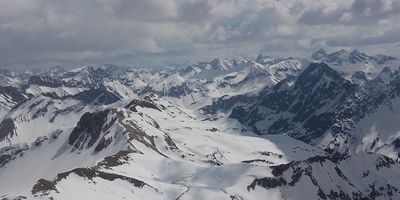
36, 33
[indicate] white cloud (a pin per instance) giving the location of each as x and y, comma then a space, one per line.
47, 32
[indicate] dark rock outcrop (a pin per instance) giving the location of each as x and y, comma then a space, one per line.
88, 129
7, 129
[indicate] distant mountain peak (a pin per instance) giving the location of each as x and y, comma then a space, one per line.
342, 51
221, 64
385, 76
263, 59
356, 51
340, 57
381, 59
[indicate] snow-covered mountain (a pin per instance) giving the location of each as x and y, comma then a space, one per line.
322, 108
350, 62
323, 127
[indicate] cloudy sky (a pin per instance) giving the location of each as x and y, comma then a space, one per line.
36, 33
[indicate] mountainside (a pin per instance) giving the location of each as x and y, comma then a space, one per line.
323, 127
146, 150
322, 108
350, 62
316, 90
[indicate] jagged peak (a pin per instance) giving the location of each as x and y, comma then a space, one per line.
85, 68
356, 51
263, 58
144, 103
221, 64
341, 51
172, 80
385, 76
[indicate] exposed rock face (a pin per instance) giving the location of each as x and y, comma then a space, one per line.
44, 186
142, 103
7, 129
97, 96
305, 102
115, 160
45, 81
13, 94
88, 130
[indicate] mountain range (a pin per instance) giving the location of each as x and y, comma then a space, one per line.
318, 127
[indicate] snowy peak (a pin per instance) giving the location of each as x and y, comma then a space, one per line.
343, 57
171, 85
284, 69
213, 69
221, 64
254, 71
8, 78
263, 59
86, 76
173, 80
356, 56
84, 83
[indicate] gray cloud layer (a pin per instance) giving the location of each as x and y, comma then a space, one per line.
52, 32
